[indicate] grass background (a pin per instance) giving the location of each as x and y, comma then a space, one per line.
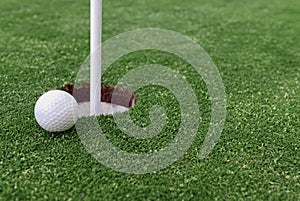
255, 45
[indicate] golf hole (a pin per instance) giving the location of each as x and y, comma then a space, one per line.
113, 99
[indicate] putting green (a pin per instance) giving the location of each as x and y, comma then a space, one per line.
254, 44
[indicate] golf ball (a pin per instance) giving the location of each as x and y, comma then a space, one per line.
56, 111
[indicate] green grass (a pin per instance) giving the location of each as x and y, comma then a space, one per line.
254, 44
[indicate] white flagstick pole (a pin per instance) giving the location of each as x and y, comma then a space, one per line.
95, 56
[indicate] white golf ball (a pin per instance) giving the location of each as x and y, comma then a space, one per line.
56, 111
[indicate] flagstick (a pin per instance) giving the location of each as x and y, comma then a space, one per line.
95, 56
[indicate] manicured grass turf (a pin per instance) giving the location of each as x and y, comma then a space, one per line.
255, 45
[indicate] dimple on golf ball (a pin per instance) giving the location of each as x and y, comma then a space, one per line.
56, 111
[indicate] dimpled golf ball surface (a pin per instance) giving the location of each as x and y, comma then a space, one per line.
56, 111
